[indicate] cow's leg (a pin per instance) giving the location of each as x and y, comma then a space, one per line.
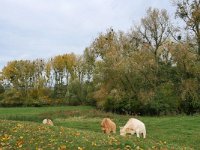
138, 133
133, 132
107, 131
144, 134
114, 131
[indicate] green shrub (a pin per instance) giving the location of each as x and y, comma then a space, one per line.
12, 97
164, 102
2, 90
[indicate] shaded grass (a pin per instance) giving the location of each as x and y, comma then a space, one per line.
80, 126
36, 114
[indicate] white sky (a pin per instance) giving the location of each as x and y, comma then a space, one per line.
31, 29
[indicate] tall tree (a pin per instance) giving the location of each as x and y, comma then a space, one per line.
155, 29
189, 12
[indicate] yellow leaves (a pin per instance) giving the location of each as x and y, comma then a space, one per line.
17, 71
4, 140
5, 137
20, 143
62, 62
19, 125
14, 129
61, 129
138, 148
80, 148
94, 144
127, 147
58, 63
112, 140
62, 147
77, 134
42, 128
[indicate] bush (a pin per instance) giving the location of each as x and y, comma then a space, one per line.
164, 102
2, 90
190, 105
12, 97
123, 106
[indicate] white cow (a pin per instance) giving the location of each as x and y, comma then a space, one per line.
133, 126
47, 122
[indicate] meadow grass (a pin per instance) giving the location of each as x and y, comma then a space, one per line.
36, 113
79, 128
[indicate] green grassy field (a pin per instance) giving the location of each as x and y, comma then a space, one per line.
78, 128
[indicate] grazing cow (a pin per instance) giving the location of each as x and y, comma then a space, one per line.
133, 126
108, 126
47, 122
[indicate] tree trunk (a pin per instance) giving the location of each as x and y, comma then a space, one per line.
199, 47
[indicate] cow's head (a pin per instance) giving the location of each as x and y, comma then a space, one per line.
122, 131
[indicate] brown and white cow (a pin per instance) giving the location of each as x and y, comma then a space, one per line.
108, 126
47, 122
133, 126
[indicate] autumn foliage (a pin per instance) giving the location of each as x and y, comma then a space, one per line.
151, 69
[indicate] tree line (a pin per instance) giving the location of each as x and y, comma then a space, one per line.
152, 69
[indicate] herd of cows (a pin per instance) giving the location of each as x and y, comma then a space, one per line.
107, 126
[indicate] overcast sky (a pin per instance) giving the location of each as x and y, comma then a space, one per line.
32, 29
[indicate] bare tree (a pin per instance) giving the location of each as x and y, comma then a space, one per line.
155, 29
189, 12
